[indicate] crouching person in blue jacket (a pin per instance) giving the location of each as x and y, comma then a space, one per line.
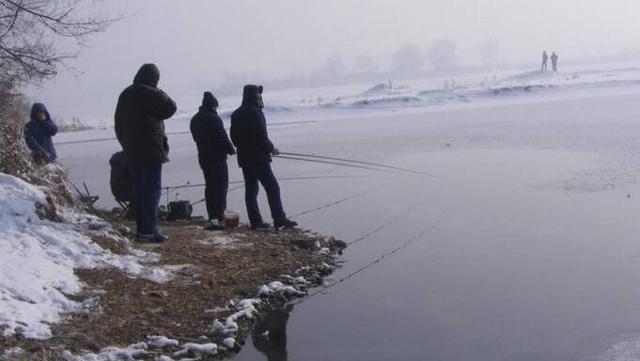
38, 133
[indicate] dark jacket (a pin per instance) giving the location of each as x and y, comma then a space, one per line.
210, 137
139, 119
38, 133
249, 129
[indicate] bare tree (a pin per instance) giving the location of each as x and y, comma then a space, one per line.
36, 36
489, 51
407, 60
442, 55
365, 65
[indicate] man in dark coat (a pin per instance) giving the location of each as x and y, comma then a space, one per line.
249, 135
38, 133
139, 125
213, 147
545, 58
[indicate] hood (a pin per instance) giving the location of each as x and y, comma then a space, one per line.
209, 102
252, 95
149, 74
38, 108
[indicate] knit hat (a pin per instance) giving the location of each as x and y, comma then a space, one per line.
209, 101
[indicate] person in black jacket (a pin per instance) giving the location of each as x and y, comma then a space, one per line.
213, 147
139, 125
249, 135
38, 133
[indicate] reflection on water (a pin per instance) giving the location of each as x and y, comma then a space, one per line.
270, 334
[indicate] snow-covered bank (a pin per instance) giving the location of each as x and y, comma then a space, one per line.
452, 92
226, 331
38, 258
121, 300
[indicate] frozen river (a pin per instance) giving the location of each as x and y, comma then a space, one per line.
529, 246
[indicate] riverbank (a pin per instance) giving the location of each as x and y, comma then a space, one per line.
219, 284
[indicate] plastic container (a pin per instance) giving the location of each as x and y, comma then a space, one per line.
231, 219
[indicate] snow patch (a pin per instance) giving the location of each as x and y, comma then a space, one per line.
12, 352
229, 343
38, 258
161, 342
132, 352
279, 288
197, 349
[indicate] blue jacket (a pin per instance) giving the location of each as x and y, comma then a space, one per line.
38, 133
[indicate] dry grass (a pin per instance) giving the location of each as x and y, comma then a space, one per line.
127, 309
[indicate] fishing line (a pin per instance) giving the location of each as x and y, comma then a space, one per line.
105, 139
381, 227
332, 203
382, 257
333, 163
228, 191
358, 162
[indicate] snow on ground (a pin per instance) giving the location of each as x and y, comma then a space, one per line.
227, 242
456, 91
38, 258
161, 341
132, 352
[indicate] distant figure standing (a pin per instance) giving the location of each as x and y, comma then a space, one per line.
554, 61
139, 125
249, 135
545, 58
213, 147
38, 133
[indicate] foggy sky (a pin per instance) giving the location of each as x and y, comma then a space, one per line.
198, 43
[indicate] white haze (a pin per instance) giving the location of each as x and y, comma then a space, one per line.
203, 44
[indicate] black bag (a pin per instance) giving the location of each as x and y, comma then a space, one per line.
180, 210
120, 179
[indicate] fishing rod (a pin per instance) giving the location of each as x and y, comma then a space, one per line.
332, 163
169, 189
357, 162
379, 259
332, 203
279, 179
